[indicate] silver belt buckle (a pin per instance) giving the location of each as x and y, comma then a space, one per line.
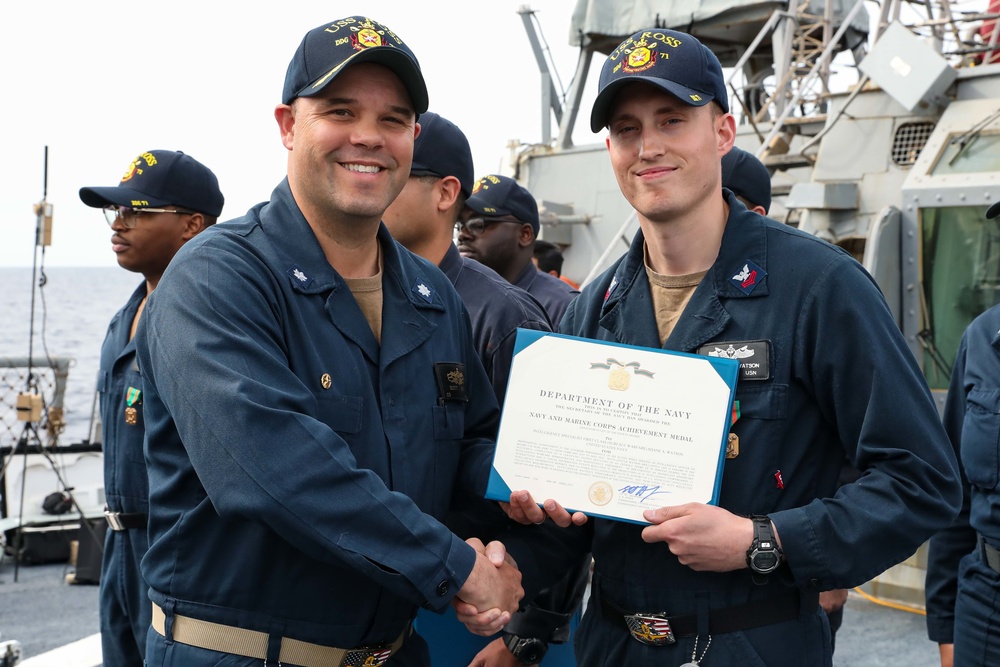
113, 521
371, 657
650, 629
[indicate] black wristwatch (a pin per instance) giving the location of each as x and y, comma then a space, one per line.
529, 650
764, 554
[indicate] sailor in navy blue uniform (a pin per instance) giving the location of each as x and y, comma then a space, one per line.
313, 399
423, 219
963, 566
498, 227
162, 201
830, 377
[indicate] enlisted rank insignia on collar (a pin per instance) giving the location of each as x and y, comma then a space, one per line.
754, 356
747, 278
423, 290
299, 277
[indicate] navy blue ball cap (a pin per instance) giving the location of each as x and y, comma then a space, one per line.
747, 177
328, 50
161, 178
496, 195
673, 61
993, 211
442, 149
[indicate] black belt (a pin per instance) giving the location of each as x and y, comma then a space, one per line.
124, 520
991, 555
658, 629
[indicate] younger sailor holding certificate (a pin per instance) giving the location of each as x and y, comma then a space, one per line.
737, 583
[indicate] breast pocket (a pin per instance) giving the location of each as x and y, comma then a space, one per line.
747, 483
341, 413
981, 438
449, 420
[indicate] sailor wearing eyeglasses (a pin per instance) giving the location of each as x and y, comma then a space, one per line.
164, 199
498, 227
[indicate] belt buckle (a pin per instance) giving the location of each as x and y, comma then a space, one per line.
366, 657
650, 629
113, 521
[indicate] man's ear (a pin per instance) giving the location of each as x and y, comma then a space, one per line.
285, 115
527, 236
192, 225
447, 190
726, 132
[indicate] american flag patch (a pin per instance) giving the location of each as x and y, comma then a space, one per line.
367, 658
650, 629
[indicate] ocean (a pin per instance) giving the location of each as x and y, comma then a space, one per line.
72, 312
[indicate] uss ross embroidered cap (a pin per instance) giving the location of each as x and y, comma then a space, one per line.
993, 211
747, 177
673, 61
442, 149
161, 178
497, 195
328, 50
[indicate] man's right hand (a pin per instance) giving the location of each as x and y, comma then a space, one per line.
492, 592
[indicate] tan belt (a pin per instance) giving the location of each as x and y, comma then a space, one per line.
253, 643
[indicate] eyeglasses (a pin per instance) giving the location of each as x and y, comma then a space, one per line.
476, 226
130, 216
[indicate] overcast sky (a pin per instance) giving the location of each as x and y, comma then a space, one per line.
99, 82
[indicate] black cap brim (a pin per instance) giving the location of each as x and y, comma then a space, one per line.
399, 62
599, 115
993, 211
119, 196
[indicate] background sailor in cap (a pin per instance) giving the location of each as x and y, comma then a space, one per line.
738, 583
423, 218
498, 227
314, 401
163, 200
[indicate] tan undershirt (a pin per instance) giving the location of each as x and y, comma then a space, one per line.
670, 296
368, 293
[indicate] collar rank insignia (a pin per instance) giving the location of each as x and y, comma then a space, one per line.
298, 277
423, 290
747, 278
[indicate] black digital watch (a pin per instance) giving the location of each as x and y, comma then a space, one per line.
764, 554
528, 650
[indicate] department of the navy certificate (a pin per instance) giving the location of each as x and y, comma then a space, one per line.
612, 430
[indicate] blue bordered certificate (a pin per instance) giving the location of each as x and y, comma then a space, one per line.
612, 430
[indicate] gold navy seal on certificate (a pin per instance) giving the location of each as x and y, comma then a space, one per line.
612, 430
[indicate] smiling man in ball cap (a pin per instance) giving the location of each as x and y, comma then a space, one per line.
163, 200
314, 402
824, 376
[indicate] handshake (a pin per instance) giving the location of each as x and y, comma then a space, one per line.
491, 594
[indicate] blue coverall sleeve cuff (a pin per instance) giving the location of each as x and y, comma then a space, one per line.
941, 629
803, 550
439, 589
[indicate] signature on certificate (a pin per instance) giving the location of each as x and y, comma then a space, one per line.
643, 491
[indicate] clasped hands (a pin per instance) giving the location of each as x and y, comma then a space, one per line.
493, 586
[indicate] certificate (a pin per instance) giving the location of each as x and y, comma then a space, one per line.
612, 430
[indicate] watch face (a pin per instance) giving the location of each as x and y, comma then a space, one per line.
764, 561
530, 650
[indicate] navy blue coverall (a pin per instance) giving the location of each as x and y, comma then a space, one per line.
840, 381
298, 469
125, 608
963, 591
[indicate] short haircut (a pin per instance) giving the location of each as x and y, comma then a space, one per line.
548, 256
